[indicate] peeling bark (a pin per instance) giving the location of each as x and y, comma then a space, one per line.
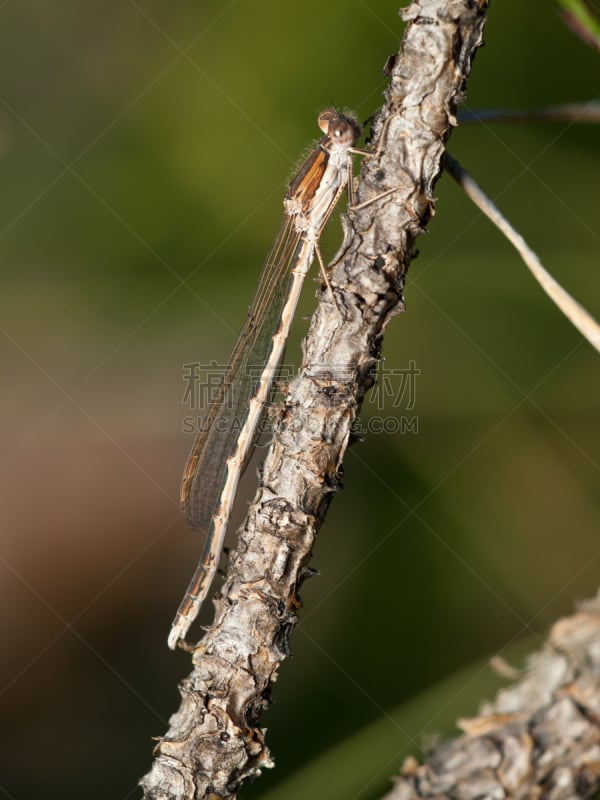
214, 742
539, 739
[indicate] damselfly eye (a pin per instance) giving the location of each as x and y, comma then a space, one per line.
326, 118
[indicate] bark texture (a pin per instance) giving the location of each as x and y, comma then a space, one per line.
538, 739
215, 742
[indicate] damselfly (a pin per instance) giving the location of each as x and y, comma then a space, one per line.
225, 443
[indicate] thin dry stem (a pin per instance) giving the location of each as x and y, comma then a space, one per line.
573, 311
587, 113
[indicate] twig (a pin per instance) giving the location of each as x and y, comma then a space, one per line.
539, 739
567, 112
575, 313
583, 18
215, 741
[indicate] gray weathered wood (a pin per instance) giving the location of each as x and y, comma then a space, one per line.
539, 739
215, 742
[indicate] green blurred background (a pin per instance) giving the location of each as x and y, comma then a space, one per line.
144, 149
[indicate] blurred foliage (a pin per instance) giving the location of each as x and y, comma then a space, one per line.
584, 19
144, 151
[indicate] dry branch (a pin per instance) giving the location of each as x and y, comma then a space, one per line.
573, 311
538, 739
214, 742
582, 113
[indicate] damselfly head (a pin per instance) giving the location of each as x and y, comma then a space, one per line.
339, 128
